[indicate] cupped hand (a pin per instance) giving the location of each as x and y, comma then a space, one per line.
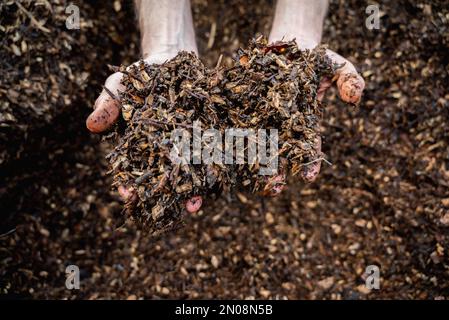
350, 85
107, 111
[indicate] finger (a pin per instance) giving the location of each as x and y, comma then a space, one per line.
194, 204
127, 194
275, 185
106, 109
310, 172
350, 87
325, 84
350, 83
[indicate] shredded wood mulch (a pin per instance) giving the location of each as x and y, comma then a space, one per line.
384, 201
48, 70
269, 86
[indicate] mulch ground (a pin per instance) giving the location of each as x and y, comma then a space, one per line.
384, 200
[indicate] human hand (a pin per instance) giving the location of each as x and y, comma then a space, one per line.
107, 111
350, 87
303, 21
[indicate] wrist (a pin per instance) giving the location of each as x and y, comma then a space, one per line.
301, 20
303, 41
166, 45
159, 53
166, 27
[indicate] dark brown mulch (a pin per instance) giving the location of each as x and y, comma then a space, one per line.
182, 94
49, 70
385, 200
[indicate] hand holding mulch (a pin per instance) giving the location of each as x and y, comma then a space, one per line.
273, 86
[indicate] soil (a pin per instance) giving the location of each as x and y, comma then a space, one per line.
384, 201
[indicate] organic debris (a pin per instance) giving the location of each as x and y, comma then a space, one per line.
268, 87
384, 201
48, 69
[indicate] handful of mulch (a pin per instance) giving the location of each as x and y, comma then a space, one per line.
271, 90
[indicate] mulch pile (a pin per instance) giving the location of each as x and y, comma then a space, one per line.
49, 70
384, 201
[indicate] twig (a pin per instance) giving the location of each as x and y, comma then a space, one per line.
316, 160
143, 177
212, 33
220, 58
8, 233
109, 92
32, 18
135, 77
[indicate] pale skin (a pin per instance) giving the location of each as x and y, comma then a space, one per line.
166, 28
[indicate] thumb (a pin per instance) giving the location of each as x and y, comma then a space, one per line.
106, 108
350, 83
350, 87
